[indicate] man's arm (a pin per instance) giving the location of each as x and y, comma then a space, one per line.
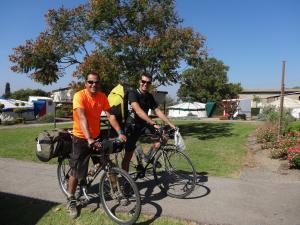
114, 123
141, 113
163, 117
84, 124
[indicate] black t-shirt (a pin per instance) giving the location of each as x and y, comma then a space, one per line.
146, 102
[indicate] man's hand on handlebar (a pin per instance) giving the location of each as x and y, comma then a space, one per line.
122, 137
94, 144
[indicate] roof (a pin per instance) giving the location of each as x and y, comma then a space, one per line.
188, 105
11, 104
269, 91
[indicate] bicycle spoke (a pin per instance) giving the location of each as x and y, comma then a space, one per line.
176, 175
120, 197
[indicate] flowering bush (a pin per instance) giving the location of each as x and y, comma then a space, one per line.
266, 134
281, 146
294, 156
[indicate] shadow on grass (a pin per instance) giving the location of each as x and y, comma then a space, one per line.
204, 131
17, 209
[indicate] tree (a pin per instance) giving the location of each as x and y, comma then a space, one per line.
170, 101
23, 94
7, 92
207, 81
119, 39
256, 99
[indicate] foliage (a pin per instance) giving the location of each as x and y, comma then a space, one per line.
19, 120
293, 127
117, 39
266, 133
256, 99
7, 92
294, 156
281, 146
271, 114
207, 81
170, 101
47, 118
255, 111
1, 106
64, 111
229, 106
23, 94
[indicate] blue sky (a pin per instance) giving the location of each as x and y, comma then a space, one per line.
252, 37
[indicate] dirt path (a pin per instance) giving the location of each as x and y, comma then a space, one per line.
260, 164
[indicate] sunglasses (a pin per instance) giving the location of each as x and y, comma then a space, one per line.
146, 82
91, 82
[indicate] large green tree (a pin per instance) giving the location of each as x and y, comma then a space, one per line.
117, 38
23, 94
207, 81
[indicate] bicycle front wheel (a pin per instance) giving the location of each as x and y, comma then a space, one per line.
120, 196
174, 172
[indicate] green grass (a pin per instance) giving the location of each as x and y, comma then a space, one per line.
34, 211
216, 148
19, 143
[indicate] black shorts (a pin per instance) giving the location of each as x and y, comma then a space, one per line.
79, 158
134, 134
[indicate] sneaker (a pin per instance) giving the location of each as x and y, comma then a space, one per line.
72, 207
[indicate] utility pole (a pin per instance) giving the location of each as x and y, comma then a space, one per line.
281, 99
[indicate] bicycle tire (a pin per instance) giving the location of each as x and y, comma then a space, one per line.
174, 172
122, 203
63, 174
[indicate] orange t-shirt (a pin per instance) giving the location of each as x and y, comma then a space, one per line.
93, 106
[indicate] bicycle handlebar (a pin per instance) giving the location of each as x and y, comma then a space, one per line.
165, 130
108, 146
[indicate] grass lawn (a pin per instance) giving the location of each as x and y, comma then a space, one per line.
216, 148
34, 211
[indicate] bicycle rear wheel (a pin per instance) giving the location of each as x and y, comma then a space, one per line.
174, 172
120, 196
63, 174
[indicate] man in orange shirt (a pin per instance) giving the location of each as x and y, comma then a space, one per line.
87, 107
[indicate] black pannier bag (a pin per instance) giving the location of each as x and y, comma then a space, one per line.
54, 143
112, 146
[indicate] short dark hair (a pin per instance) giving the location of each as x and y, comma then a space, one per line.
146, 75
93, 73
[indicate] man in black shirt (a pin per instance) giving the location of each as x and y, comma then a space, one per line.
141, 101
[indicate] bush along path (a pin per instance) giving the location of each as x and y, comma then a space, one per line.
260, 165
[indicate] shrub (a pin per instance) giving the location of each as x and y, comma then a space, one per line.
255, 111
19, 120
48, 118
281, 146
266, 134
294, 156
64, 111
271, 114
293, 127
